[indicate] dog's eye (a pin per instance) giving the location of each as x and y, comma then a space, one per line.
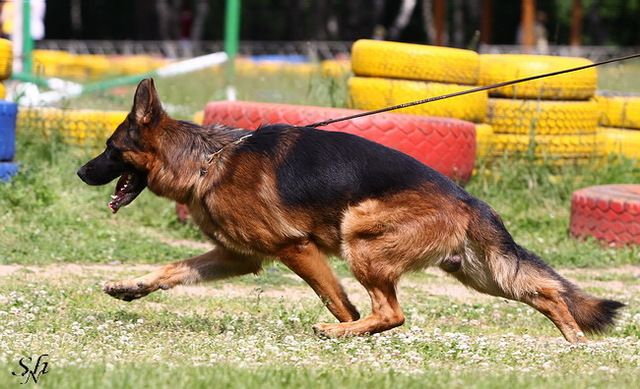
132, 132
113, 153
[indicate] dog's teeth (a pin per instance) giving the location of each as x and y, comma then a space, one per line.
113, 197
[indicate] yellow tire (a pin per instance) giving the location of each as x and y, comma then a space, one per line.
484, 139
336, 68
545, 146
6, 59
301, 69
198, 117
496, 68
542, 117
3, 91
95, 66
619, 141
620, 111
372, 93
414, 62
79, 127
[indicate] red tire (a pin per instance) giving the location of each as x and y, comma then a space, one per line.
446, 145
609, 213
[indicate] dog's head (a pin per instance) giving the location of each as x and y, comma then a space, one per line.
127, 154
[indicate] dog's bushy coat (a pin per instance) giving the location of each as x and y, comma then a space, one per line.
300, 194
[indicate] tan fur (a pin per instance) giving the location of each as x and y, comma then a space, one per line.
307, 261
233, 198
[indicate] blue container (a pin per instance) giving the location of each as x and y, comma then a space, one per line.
8, 112
291, 58
7, 170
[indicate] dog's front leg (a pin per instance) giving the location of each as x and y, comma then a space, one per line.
217, 264
307, 261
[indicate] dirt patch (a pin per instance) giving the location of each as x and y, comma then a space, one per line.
192, 244
442, 286
6, 270
73, 269
291, 293
432, 283
629, 271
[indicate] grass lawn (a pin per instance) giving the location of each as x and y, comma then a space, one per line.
256, 332
59, 242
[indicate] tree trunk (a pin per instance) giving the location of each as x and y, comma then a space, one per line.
427, 21
458, 23
486, 21
201, 12
168, 22
439, 14
576, 23
404, 15
76, 16
597, 29
378, 24
527, 25
319, 17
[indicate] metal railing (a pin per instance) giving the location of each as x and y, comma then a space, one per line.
313, 49
594, 53
184, 49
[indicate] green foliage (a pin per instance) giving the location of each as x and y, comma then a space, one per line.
534, 200
49, 215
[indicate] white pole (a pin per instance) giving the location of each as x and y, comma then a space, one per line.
16, 35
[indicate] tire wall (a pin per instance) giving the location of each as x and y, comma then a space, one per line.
447, 145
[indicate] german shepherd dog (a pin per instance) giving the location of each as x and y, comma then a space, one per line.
299, 195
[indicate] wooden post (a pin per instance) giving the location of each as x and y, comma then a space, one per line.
576, 23
528, 24
439, 11
486, 21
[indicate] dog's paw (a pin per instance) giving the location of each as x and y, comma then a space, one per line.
328, 331
127, 290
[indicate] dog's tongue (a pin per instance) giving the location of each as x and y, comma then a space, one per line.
112, 207
117, 196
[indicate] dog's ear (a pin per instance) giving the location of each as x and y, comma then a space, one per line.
146, 103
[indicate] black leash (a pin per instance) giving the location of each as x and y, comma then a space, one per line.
468, 91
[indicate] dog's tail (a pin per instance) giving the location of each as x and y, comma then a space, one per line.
514, 272
593, 315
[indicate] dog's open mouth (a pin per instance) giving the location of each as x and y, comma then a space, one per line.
129, 186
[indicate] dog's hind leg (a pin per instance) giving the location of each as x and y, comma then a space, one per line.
520, 275
551, 304
218, 263
385, 313
372, 268
381, 240
307, 261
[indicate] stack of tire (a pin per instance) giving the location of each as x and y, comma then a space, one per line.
58, 63
7, 116
619, 131
82, 127
447, 145
552, 118
335, 68
390, 73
